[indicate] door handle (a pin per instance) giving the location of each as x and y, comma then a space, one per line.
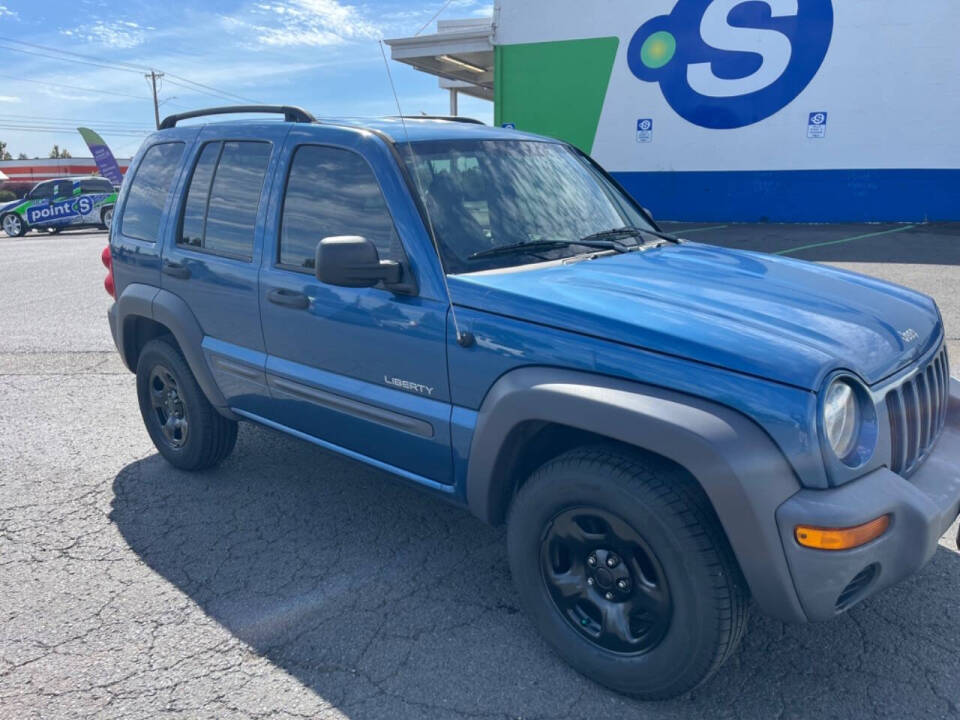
289, 298
175, 269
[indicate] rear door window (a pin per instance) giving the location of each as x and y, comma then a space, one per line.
148, 191
63, 190
220, 213
195, 208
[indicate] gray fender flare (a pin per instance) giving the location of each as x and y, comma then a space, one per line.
172, 312
136, 300
741, 470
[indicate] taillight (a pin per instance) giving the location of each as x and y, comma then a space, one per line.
108, 280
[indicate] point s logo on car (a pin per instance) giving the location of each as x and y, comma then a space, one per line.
69, 208
725, 64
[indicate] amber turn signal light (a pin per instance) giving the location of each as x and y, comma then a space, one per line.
841, 538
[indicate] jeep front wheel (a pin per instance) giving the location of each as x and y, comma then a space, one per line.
13, 225
184, 426
623, 566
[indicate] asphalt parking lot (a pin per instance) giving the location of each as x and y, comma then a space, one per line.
292, 583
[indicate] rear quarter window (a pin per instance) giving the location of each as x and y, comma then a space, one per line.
96, 185
148, 191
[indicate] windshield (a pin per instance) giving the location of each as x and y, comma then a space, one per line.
487, 194
41, 190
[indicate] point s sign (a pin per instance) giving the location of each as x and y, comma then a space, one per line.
725, 64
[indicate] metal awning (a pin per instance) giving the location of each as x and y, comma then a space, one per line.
460, 53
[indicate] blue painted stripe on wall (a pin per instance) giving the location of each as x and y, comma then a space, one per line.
798, 195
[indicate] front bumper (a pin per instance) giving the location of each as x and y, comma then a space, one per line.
922, 509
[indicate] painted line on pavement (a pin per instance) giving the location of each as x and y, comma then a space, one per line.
702, 229
844, 240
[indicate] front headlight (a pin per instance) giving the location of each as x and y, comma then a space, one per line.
841, 418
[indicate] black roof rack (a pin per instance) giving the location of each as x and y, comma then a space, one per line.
289, 112
448, 118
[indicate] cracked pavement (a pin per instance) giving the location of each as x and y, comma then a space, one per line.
292, 583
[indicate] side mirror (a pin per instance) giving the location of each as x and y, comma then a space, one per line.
647, 211
353, 261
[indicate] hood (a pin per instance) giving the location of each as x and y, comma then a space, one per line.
777, 318
10, 205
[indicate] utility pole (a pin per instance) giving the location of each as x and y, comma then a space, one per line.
153, 77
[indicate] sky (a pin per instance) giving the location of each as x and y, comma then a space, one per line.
320, 54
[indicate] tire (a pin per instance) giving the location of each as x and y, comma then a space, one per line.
683, 610
185, 428
106, 219
14, 225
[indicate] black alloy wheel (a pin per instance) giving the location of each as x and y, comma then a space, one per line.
624, 568
187, 430
605, 580
169, 406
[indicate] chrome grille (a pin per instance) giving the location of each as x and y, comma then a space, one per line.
917, 409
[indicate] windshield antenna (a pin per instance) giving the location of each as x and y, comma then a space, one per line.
464, 339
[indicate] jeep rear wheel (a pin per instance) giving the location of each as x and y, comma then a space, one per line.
184, 426
13, 225
106, 218
625, 570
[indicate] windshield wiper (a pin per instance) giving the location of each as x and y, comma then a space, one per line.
636, 232
534, 245
663, 236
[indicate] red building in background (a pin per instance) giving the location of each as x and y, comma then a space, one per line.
34, 171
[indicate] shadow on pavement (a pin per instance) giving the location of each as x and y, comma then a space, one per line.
391, 604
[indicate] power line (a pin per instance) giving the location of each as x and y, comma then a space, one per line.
65, 131
435, 16
68, 127
73, 87
224, 93
57, 57
124, 67
198, 91
115, 123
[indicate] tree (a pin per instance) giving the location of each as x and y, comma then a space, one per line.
58, 153
22, 156
4, 155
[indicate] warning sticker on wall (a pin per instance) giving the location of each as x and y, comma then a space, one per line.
644, 130
817, 125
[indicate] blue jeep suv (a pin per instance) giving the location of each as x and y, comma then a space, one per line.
667, 428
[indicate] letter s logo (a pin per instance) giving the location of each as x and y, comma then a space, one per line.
730, 63
84, 206
772, 45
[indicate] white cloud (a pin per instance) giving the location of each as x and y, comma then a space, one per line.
61, 95
313, 23
118, 34
9, 99
7, 12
